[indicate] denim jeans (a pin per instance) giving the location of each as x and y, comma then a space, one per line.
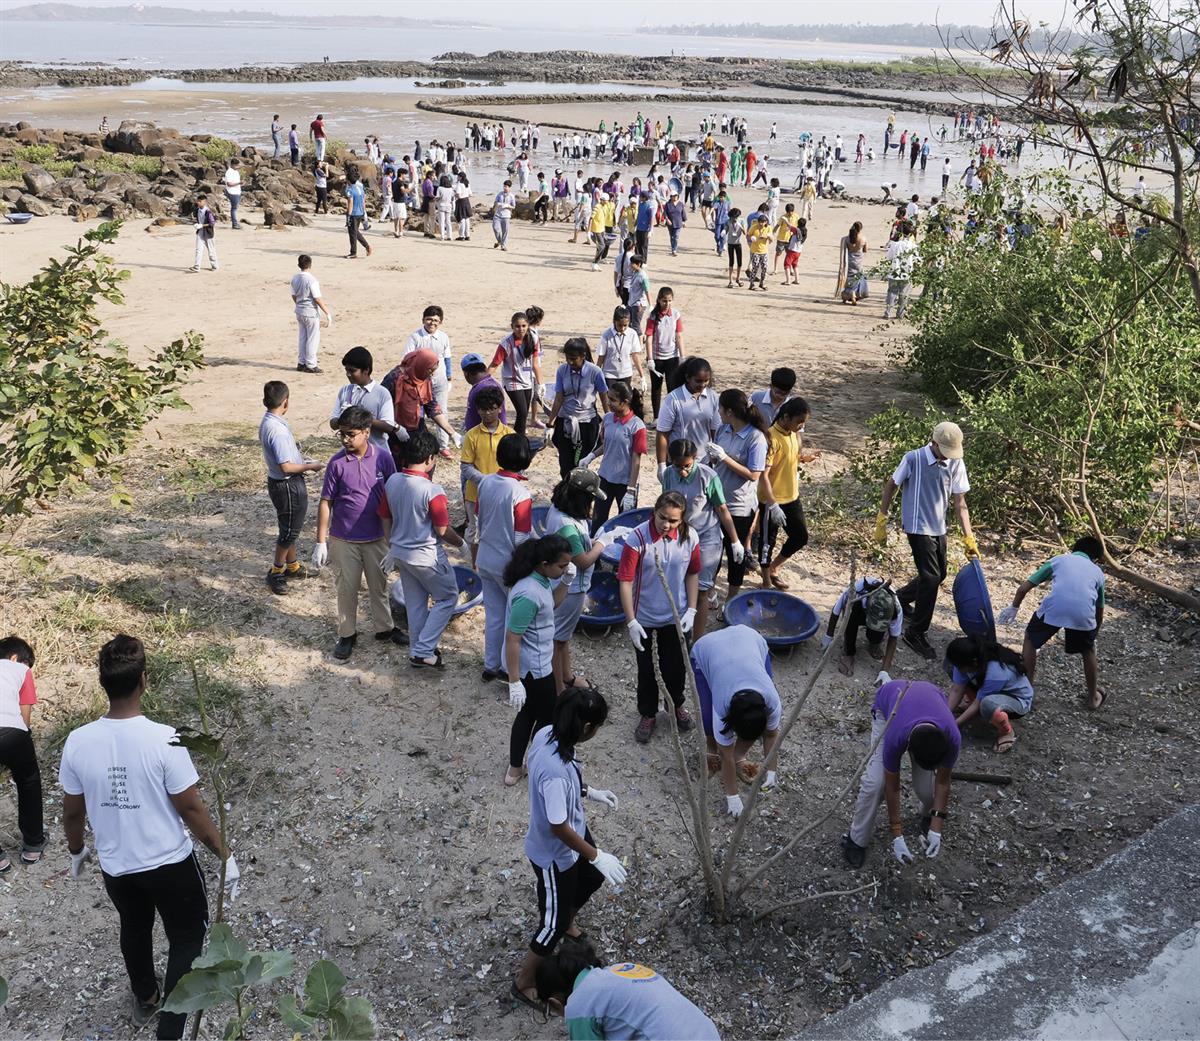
234, 202
673, 232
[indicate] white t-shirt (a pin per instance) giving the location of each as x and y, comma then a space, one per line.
233, 182
16, 689
127, 770
305, 291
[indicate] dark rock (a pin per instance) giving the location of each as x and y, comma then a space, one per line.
287, 217
28, 137
75, 188
11, 195
249, 152
168, 147
82, 211
37, 181
32, 204
144, 202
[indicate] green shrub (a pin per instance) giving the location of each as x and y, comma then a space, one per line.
59, 167
39, 154
9, 172
217, 150
122, 162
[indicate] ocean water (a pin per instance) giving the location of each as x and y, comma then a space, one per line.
216, 45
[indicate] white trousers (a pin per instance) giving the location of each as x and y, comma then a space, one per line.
870, 791
308, 341
211, 245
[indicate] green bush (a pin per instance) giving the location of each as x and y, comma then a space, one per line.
39, 154
9, 172
122, 162
217, 150
59, 167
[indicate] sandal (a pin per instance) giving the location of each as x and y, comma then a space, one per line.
779, 583
1096, 708
522, 998
509, 780
31, 856
1005, 742
5, 865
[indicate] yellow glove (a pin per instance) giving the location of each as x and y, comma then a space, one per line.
881, 529
970, 546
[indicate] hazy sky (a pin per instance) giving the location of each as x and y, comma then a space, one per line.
560, 14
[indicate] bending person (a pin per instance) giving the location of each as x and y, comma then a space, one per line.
992, 680
739, 703
925, 728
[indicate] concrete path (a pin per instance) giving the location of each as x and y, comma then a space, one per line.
1111, 954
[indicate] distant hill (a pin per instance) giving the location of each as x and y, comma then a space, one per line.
901, 35
144, 14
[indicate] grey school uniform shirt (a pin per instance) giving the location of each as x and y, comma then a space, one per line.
555, 797
278, 445
631, 1001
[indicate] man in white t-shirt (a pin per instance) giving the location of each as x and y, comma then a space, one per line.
233, 191
137, 786
432, 337
306, 295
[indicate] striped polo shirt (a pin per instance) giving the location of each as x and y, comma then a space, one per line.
926, 485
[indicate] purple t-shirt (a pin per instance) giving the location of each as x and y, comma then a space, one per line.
355, 488
924, 703
471, 416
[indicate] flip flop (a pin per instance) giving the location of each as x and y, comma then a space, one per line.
522, 998
1004, 743
1096, 708
31, 856
779, 583
5, 865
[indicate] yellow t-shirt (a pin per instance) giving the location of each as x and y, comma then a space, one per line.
783, 455
629, 216
479, 449
759, 236
783, 230
602, 217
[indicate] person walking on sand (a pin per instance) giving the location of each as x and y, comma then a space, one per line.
356, 210
18, 695
276, 130
206, 232
502, 211
294, 145
306, 296
852, 279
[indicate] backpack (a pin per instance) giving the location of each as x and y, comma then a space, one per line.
879, 606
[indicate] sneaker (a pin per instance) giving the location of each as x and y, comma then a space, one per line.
277, 582
312, 370
395, 635
301, 571
595, 267
854, 853
343, 647
683, 720
493, 674
918, 643
644, 730
144, 1011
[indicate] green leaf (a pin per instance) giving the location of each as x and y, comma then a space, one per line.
276, 965
225, 950
293, 1018
322, 988
359, 1018
235, 1029
202, 989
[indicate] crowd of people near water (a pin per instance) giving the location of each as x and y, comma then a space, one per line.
669, 492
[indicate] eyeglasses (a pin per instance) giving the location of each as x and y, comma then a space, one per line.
349, 435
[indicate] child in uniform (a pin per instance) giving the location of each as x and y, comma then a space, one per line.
620, 450
286, 468
875, 607
479, 456
538, 577
349, 519
779, 492
758, 236
416, 519
18, 695
665, 539
517, 361
991, 680
505, 511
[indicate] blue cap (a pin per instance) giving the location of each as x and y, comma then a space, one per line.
472, 359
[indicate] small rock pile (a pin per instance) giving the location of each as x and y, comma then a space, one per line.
96, 186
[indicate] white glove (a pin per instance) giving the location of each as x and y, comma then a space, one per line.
78, 860
387, 563
778, 517
587, 460
516, 694
629, 500
320, 555
770, 782
637, 634
737, 551
328, 319
687, 619
401, 434
733, 805
1008, 616
610, 867
882, 678
662, 471
645, 383
652, 369
603, 795
933, 843
716, 452
457, 439
900, 850
569, 574
826, 640
233, 878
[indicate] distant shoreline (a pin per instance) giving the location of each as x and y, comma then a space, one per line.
708, 73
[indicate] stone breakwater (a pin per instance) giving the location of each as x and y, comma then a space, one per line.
712, 73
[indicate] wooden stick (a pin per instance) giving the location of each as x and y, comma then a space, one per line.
970, 775
758, 872
815, 896
793, 714
696, 799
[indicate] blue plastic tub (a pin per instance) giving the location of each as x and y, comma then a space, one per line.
612, 554
468, 583
781, 619
972, 603
602, 605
